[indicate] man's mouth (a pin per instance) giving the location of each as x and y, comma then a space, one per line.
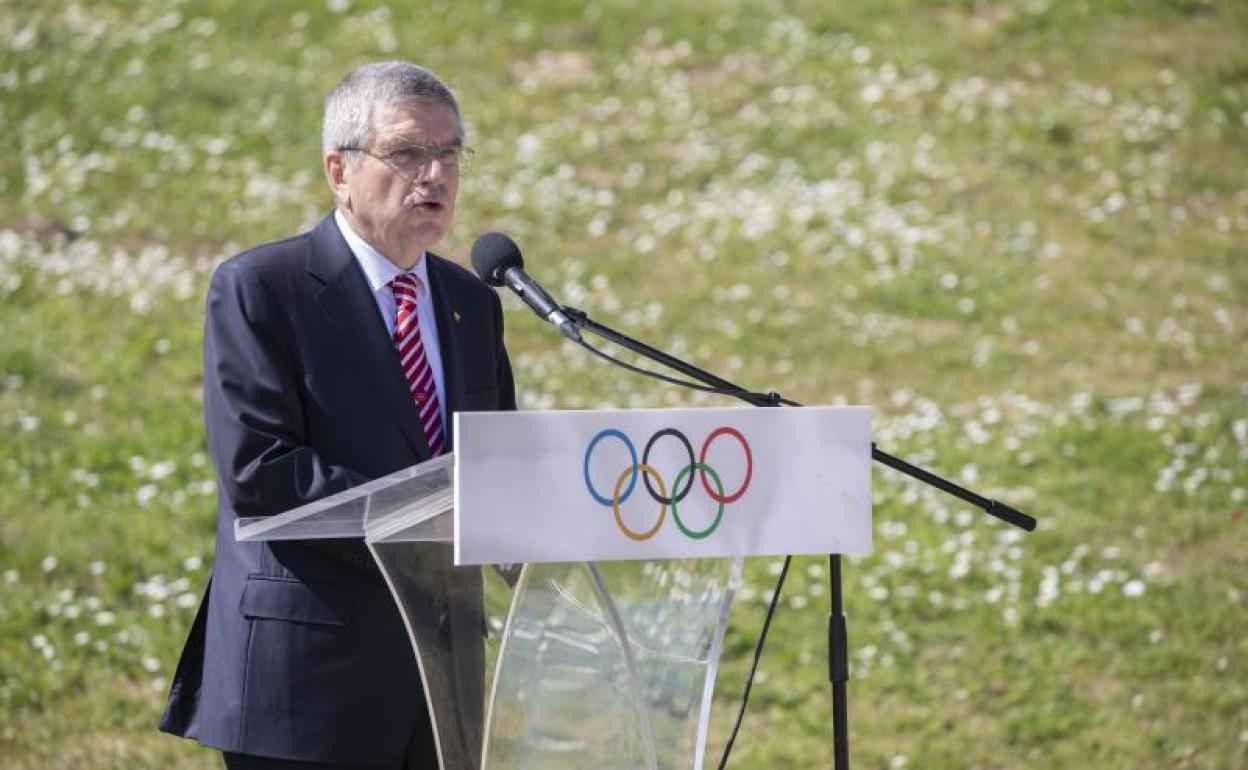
431, 207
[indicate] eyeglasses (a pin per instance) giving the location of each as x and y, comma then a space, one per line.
411, 160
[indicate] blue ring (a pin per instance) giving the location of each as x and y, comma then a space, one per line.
632, 451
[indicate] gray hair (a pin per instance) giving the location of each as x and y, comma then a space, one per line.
349, 109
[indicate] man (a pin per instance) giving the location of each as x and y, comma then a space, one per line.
332, 358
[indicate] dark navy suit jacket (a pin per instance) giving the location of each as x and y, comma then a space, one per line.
297, 650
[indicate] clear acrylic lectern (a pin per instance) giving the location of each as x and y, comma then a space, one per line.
598, 665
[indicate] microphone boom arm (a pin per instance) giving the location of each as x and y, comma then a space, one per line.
1010, 515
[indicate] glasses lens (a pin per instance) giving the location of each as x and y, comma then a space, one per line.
416, 159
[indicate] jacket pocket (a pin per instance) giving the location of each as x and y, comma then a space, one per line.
279, 598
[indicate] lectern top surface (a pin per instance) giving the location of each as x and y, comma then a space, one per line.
346, 513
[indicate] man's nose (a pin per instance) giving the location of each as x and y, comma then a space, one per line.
432, 169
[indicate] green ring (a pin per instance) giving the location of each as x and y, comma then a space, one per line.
690, 468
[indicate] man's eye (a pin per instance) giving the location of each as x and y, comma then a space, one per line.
407, 155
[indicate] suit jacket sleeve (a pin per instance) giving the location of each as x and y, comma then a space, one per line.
252, 403
506, 385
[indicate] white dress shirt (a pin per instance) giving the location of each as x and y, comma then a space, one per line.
380, 272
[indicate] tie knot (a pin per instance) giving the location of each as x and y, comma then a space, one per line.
406, 287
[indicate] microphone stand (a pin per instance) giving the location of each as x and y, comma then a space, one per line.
838, 638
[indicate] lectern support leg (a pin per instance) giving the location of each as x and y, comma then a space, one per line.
838, 667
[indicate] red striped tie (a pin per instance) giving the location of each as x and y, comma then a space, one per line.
412, 358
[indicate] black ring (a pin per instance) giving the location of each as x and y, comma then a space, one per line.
645, 459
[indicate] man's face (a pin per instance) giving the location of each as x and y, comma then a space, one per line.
399, 207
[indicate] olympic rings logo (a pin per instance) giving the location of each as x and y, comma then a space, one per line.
681, 485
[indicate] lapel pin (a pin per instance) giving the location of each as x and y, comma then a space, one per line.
455, 315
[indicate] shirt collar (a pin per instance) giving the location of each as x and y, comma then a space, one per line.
378, 270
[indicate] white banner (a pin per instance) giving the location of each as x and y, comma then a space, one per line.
661, 483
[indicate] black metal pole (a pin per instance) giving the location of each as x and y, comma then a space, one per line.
838, 667
838, 635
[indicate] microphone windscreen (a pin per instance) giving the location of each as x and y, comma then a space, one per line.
492, 254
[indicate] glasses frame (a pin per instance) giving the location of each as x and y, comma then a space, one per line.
462, 167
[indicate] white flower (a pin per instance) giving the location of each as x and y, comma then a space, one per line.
145, 494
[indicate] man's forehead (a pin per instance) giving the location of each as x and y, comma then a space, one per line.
432, 122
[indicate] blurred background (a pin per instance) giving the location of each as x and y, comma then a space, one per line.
1018, 229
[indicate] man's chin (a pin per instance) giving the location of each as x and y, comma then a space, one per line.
426, 234
439, 228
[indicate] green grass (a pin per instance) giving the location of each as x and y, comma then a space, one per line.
1019, 230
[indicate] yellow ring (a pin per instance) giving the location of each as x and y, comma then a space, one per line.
615, 503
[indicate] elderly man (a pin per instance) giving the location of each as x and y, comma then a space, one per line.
332, 358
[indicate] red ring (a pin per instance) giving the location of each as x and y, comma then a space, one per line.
749, 465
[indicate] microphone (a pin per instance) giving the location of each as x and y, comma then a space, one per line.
498, 262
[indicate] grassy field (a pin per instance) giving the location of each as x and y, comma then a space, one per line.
1018, 229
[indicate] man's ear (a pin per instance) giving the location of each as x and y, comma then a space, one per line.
336, 174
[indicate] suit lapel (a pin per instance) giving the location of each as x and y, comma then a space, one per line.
348, 303
447, 315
